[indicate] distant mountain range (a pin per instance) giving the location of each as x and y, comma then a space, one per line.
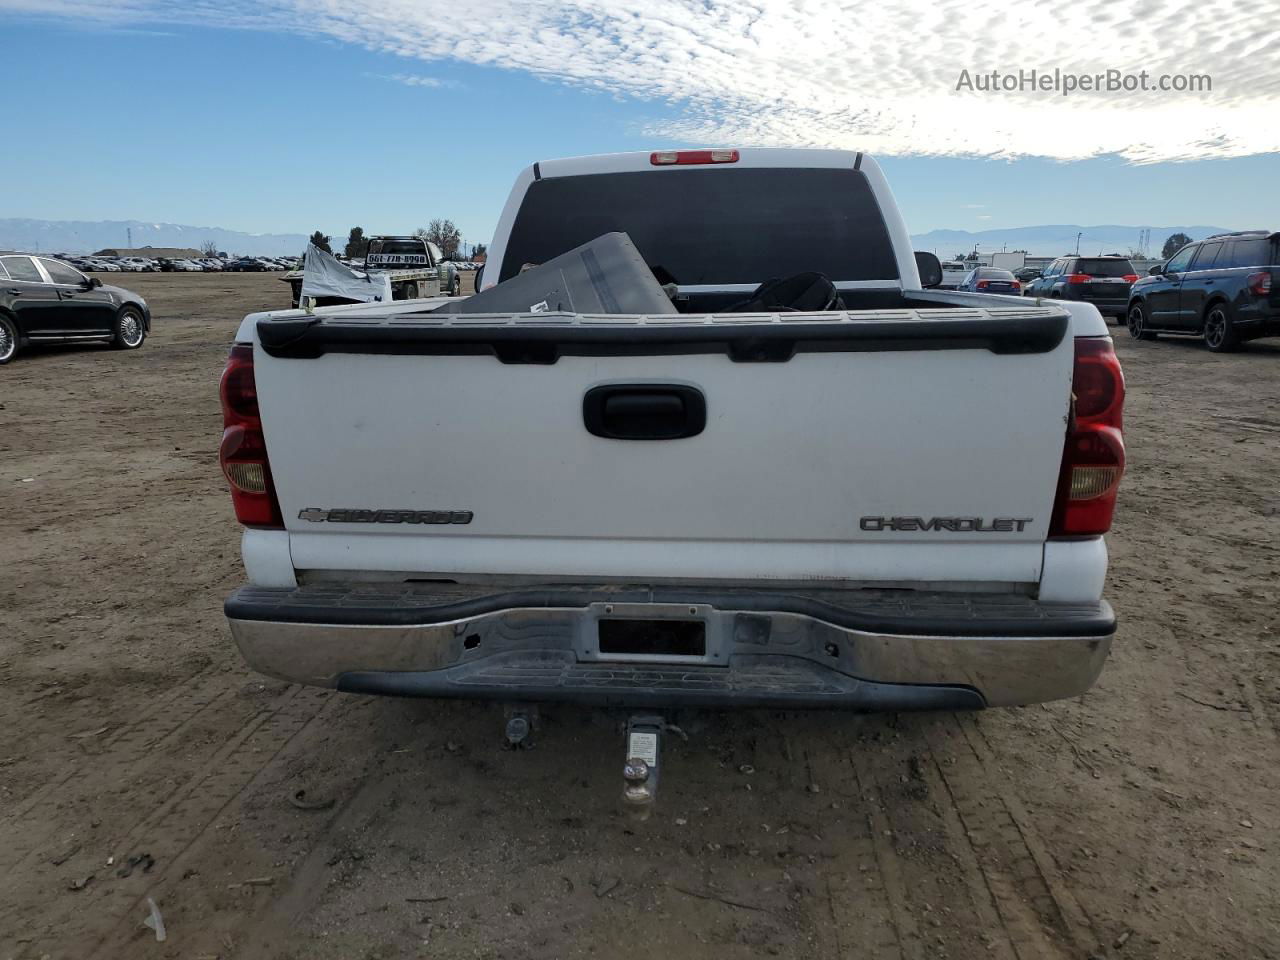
1053, 240
86, 236
89, 236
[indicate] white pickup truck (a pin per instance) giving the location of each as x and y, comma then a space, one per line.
894, 503
953, 274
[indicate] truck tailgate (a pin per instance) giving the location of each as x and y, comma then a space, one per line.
866, 446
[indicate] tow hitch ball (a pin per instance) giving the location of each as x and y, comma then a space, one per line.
521, 721
640, 771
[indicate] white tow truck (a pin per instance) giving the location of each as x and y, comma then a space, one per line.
414, 267
896, 500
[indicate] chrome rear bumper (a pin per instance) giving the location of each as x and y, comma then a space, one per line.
843, 649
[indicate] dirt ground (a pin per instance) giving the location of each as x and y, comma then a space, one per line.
141, 761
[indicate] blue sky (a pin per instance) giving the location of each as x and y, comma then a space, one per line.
158, 116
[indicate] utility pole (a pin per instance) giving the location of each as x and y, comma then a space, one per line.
129, 233
1078, 236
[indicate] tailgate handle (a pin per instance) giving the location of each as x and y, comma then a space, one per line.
644, 411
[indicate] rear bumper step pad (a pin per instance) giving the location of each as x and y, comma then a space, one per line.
778, 682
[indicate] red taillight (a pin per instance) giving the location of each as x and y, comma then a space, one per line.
1130, 278
1093, 456
1016, 286
1079, 277
983, 284
666, 158
1260, 284
243, 451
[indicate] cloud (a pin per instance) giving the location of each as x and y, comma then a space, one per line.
411, 79
870, 76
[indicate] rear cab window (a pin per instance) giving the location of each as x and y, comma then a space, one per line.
404, 252
22, 268
739, 226
1105, 267
396, 246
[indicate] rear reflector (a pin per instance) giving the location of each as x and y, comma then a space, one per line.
667, 158
246, 477
1088, 482
1093, 456
243, 451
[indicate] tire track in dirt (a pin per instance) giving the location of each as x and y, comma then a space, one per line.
183, 823
862, 921
946, 858
1035, 908
271, 931
28, 825
163, 828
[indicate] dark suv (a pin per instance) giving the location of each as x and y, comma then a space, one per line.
1102, 281
1224, 288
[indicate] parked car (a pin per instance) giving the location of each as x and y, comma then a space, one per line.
1025, 275
1225, 288
1102, 281
990, 280
43, 300
245, 265
485, 502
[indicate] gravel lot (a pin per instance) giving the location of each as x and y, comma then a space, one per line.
140, 758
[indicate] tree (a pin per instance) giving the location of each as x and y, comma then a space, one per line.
479, 252
1173, 245
443, 234
357, 243
209, 248
320, 240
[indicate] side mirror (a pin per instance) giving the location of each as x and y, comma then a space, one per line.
930, 269
91, 282
1155, 271
478, 277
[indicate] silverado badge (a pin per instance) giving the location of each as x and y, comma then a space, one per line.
316, 515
